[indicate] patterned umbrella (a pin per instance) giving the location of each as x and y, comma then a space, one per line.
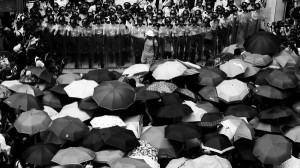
186, 92
4, 92
211, 76
210, 119
73, 155
162, 87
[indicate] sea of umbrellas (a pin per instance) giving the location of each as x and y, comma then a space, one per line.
243, 112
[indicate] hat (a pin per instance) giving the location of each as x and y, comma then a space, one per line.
150, 33
18, 48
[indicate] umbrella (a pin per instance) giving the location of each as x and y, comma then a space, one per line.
106, 156
286, 59
276, 113
40, 154
211, 161
111, 136
73, 110
236, 128
260, 76
189, 64
232, 90
59, 89
262, 126
197, 112
189, 72
174, 111
230, 49
282, 79
67, 78
93, 140
107, 121
156, 63
207, 106
73, 155
181, 162
4, 92
23, 101
218, 143
42, 73
272, 149
234, 67
209, 93
290, 163
258, 59
143, 95
186, 92
219, 59
18, 87
128, 162
251, 70
170, 99
32, 121
49, 137
262, 43
114, 95
136, 69
162, 87
50, 111
182, 131
68, 128
211, 76
49, 99
88, 103
100, 75
293, 134
270, 92
81, 88
168, 70
135, 124
210, 119
241, 110
156, 137
245, 151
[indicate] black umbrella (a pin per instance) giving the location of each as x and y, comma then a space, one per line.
241, 110
174, 111
183, 131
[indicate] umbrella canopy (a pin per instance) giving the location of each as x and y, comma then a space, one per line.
262, 126
93, 140
182, 131
32, 121
156, 137
218, 143
18, 87
290, 163
73, 110
211, 76
40, 154
100, 75
234, 67
230, 49
293, 134
219, 59
162, 87
42, 73
143, 94
106, 156
251, 70
235, 128
197, 112
245, 151
186, 93
209, 93
168, 70
136, 69
282, 79
88, 103
23, 101
73, 155
4, 92
128, 162
59, 89
210, 119
270, 92
107, 121
286, 59
262, 43
111, 136
180, 162
114, 95
241, 110
260, 76
170, 99
211, 161
49, 137
81, 88
276, 113
67, 78
272, 149
49, 99
232, 90
207, 106
174, 111
68, 128
258, 59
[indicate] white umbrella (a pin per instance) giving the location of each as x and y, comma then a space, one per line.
197, 112
107, 121
169, 70
81, 88
74, 111
50, 111
232, 90
135, 124
19, 87
136, 69
234, 67
213, 161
